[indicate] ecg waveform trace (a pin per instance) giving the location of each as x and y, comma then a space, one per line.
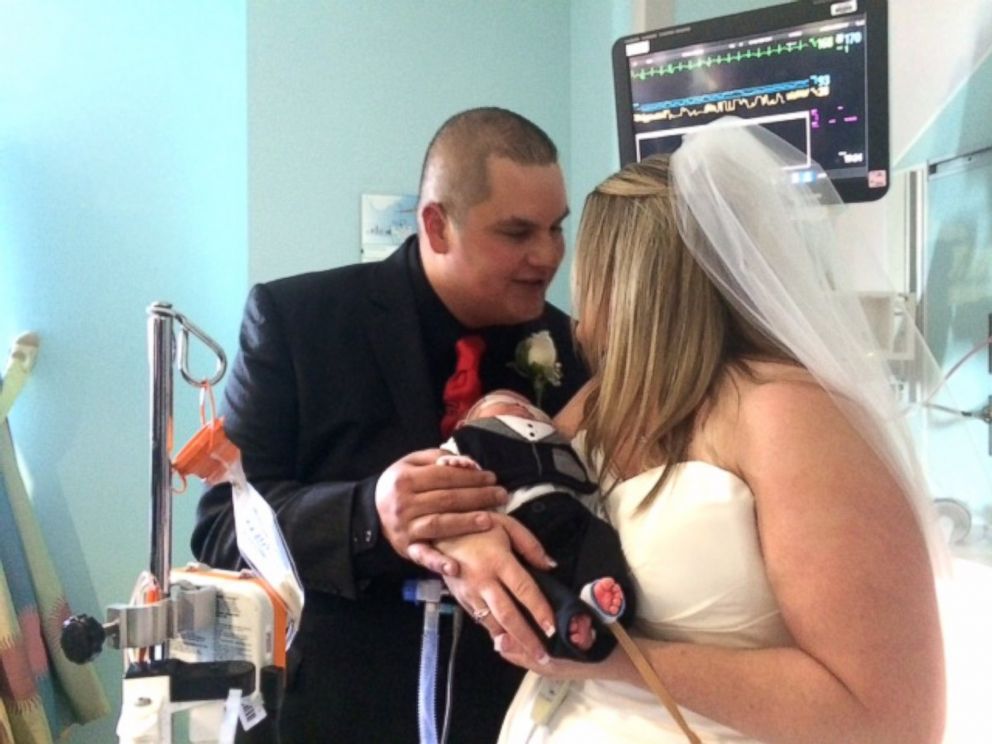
727, 101
841, 42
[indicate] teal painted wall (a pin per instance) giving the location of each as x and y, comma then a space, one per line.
344, 98
961, 126
595, 152
689, 11
122, 181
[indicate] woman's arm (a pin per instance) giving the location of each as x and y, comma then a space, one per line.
493, 581
849, 567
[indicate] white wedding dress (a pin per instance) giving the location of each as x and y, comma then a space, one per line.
700, 578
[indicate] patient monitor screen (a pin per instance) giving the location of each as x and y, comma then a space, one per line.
814, 73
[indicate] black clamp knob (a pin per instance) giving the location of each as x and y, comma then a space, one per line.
82, 638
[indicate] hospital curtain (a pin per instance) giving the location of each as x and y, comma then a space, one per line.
42, 693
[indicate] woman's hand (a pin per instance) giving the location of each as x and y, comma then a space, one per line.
616, 666
492, 580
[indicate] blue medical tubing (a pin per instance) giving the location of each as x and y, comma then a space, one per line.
430, 592
426, 703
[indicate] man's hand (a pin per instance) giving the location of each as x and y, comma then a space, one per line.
420, 501
491, 578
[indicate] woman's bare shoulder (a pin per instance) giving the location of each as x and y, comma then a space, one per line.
763, 373
788, 420
749, 403
776, 393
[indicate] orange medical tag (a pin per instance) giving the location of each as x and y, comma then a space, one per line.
208, 454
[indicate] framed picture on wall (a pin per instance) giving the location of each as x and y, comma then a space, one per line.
387, 220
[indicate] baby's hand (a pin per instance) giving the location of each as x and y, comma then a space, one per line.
458, 461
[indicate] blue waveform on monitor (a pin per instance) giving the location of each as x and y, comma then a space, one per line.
758, 90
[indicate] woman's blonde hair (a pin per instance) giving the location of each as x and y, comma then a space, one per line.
656, 332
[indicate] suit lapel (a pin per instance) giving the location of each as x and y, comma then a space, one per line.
394, 333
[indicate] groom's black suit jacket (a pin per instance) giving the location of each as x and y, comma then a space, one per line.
331, 385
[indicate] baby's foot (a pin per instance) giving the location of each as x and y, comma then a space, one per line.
580, 631
608, 595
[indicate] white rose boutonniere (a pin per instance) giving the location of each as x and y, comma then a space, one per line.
536, 358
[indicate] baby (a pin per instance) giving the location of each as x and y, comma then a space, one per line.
551, 495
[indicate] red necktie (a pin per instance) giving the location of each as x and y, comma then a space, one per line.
464, 387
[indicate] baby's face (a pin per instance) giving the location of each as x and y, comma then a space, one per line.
505, 403
503, 408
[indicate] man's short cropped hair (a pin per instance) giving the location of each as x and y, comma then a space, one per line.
455, 171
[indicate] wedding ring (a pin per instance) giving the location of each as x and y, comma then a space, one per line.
481, 614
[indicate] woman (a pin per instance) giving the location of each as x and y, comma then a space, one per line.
753, 464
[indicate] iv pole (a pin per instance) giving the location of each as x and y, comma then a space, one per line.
155, 683
160, 350
161, 342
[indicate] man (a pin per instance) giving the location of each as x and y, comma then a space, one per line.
335, 400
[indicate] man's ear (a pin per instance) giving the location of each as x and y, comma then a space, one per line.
435, 226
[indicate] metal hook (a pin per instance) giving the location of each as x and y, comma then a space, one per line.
188, 327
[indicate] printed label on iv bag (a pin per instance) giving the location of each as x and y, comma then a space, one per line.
263, 547
251, 714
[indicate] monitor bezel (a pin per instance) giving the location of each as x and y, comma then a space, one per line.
773, 18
